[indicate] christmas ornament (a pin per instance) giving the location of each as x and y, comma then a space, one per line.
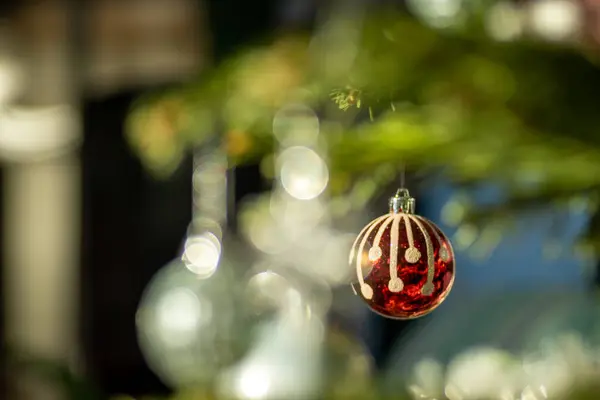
190, 315
188, 328
404, 262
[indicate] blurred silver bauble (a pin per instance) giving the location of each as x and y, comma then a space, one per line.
294, 355
188, 329
274, 287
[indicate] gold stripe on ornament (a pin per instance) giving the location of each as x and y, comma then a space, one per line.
412, 254
375, 252
395, 284
427, 289
444, 252
365, 289
376, 220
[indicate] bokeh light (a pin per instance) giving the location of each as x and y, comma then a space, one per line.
260, 227
266, 291
209, 177
482, 373
437, 13
296, 217
286, 288
254, 383
204, 224
555, 20
505, 21
296, 124
179, 314
202, 253
210, 185
427, 381
284, 362
324, 256
335, 44
303, 173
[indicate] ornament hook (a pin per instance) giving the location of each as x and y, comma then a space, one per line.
402, 202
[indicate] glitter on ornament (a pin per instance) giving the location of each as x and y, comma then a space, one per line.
404, 262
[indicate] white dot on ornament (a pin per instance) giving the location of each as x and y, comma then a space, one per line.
412, 255
366, 291
427, 289
374, 253
395, 285
444, 254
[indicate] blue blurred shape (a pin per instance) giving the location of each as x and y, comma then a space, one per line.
518, 262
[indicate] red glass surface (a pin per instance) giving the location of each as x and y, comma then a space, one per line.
409, 302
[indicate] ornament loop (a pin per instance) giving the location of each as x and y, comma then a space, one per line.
402, 202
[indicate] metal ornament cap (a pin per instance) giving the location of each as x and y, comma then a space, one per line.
402, 202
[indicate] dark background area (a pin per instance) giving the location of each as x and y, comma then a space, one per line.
6, 8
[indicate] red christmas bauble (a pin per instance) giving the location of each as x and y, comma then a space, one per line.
404, 262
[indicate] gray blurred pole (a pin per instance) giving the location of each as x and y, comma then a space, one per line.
42, 209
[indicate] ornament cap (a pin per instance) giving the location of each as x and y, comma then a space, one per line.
402, 202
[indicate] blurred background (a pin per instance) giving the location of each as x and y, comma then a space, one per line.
182, 180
